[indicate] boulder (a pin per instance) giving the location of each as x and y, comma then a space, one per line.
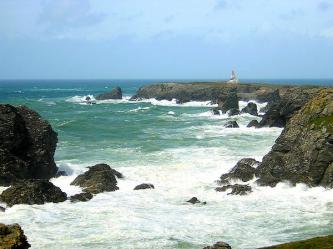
82, 197
99, 178
231, 124
253, 123
2, 209
228, 102
116, 93
303, 152
244, 170
12, 237
236, 189
27, 146
233, 112
144, 186
195, 200
251, 108
32, 192
219, 245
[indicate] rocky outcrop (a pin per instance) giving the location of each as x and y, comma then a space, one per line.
144, 186
116, 93
231, 124
227, 102
292, 100
195, 200
244, 170
99, 178
27, 145
82, 197
325, 242
12, 237
219, 245
32, 192
303, 153
236, 189
253, 123
251, 108
233, 112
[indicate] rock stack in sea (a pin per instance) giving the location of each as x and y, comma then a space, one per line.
116, 93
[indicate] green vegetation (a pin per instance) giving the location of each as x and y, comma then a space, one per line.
320, 122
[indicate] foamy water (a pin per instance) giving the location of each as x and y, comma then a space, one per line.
182, 151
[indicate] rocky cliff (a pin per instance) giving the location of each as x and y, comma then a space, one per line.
27, 145
12, 237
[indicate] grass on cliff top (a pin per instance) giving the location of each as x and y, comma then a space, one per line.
320, 122
315, 243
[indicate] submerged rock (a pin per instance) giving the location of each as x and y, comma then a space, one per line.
32, 192
144, 186
99, 178
236, 189
219, 245
231, 124
86, 196
116, 93
12, 237
251, 108
253, 123
27, 146
2, 209
303, 153
244, 170
233, 112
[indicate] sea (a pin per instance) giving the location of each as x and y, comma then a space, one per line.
182, 149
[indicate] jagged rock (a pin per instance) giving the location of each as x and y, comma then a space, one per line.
195, 200
253, 123
12, 237
231, 124
279, 112
27, 145
61, 173
230, 101
236, 189
303, 153
244, 170
116, 93
325, 242
85, 196
219, 245
144, 186
32, 192
99, 178
251, 108
233, 112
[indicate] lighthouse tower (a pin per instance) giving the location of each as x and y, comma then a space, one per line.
233, 78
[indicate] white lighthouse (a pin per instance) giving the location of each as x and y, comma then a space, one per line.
233, 78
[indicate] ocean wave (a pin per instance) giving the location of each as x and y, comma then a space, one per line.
139, 109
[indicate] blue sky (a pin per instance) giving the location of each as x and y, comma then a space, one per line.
166, 39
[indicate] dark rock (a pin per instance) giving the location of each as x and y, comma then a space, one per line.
253, 123
236, 189
325, 242
32, 192
233, 112
244, 170
251, 108
60, 173
230, 101
2, 209
194, 200
231, 124
116, 93
144, 186
301, 153
12, 237
27, 145
99, 178
219, 245
85, 196
281, 111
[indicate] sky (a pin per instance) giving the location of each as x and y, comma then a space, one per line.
166, 39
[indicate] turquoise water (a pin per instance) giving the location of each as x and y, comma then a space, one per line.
182, 150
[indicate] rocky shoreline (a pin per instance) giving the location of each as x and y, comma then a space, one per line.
303, 153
